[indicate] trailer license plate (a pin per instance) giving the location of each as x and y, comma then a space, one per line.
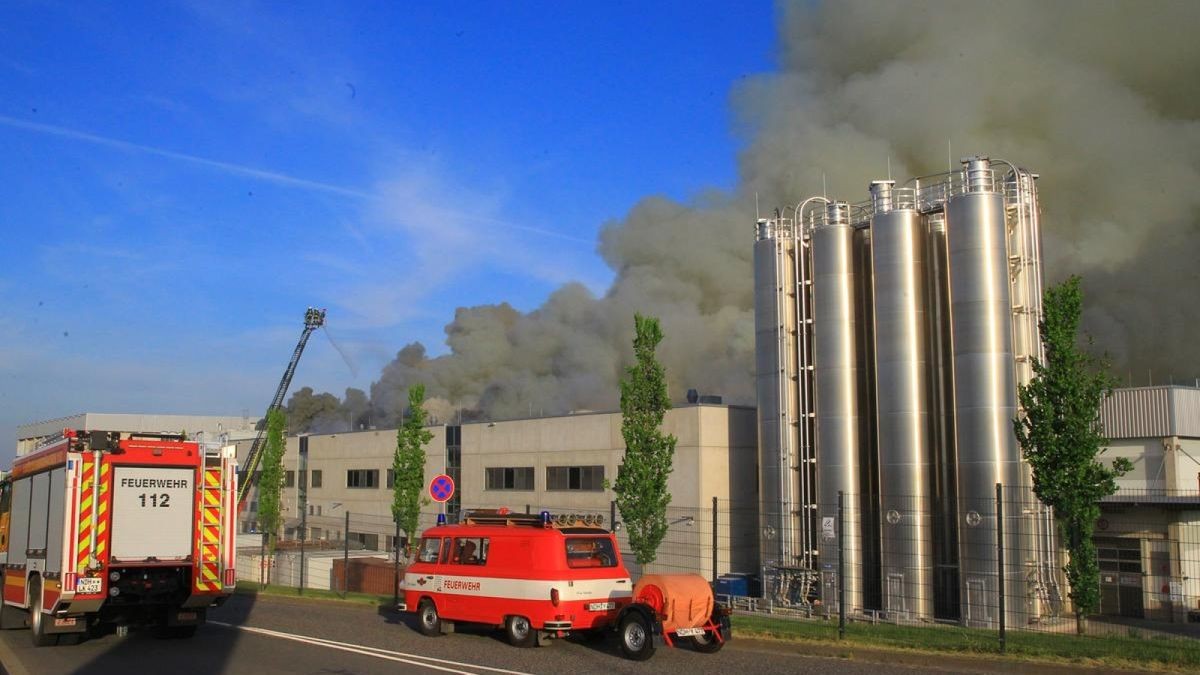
601, 606
87, 585
689, 632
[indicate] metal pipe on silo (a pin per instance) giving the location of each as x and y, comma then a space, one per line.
836, 364
898, 271
941, 388
985, 391
868, 455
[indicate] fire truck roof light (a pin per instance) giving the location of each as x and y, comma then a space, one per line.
441, 519
545, 518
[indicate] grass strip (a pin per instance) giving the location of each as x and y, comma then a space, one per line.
1112, 651
253, 588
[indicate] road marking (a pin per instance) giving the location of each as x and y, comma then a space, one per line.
401, 657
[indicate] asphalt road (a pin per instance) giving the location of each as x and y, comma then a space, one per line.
273, 635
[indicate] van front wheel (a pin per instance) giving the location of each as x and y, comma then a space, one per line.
520, 632
427, 618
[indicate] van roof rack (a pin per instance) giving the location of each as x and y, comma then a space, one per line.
505, 517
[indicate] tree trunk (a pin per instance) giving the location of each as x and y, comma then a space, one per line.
1079, 622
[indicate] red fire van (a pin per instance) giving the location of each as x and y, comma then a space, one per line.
534, 575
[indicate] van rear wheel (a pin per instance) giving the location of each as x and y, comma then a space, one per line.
636, 641
428, 620
520, 632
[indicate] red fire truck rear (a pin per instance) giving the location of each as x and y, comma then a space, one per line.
107, 528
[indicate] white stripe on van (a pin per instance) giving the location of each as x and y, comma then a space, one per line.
520, 589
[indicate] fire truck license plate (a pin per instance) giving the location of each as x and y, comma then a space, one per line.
601, 606
87, 585
689, 632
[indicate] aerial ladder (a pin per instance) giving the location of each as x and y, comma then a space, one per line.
313, 319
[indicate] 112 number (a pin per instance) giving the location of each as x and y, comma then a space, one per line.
156, 501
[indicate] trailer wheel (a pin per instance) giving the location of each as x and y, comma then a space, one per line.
636, 641
37, 620
707, 643
520, 632
428, 620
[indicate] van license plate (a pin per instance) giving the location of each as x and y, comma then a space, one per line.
601, 606
69, 621
689, 632
185, 616
88, 585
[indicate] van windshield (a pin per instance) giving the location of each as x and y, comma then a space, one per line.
430, 546
590, 552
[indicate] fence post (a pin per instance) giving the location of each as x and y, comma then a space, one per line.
396, 580
841, 580
303, 537
1000, 558
346, 557
612, 516
714, 540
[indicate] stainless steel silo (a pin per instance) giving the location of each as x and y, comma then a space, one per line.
836, 364
985, 393
775, 314
902, 401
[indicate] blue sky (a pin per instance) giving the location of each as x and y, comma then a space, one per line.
182, 179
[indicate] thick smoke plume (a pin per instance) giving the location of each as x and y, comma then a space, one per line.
1101, 98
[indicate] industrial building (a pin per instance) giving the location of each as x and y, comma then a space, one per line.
1148, 536
207, 427
555, 463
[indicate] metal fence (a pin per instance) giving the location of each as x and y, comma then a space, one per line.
992, 562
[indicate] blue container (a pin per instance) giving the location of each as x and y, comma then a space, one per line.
732, 584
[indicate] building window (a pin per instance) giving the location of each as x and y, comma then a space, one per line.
289, 479
316, 478
391, 478
590, 478
509, 478
362, 478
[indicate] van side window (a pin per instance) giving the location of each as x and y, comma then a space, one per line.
430, 547
590, 552
469, 551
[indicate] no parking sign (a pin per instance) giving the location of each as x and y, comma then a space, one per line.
441, 488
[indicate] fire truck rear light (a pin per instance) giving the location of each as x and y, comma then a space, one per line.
554, 596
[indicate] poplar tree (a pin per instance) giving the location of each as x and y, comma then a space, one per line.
1061, 435
641, 486
408, 466
270, 483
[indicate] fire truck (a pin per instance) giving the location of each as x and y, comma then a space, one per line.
102, 528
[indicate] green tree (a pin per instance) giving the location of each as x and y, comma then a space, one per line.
641, 486
1060, 434
270, 482
408, 465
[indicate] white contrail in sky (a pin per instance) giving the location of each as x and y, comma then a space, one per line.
251, 172
270, 176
